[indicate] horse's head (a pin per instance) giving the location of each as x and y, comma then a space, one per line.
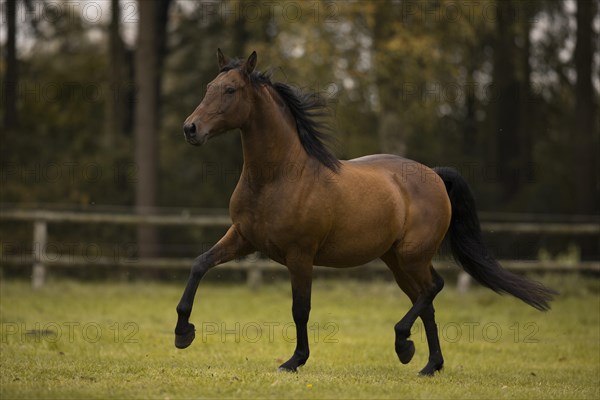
227, 102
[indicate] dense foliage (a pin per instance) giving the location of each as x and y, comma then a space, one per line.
491, 87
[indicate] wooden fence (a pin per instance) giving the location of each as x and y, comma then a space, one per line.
40, 258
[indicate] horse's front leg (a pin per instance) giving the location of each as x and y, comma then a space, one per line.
301, 277
231, 246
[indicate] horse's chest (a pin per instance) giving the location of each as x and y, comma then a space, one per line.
266, 234
272, 228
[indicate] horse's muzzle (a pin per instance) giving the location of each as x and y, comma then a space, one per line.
191, 135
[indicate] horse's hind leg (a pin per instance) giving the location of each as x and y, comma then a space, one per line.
436, 361
421, 284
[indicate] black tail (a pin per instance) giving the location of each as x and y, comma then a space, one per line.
471, 253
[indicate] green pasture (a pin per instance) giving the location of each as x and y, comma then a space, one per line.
115, 340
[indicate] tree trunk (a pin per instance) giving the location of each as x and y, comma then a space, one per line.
469, 145
508, 119
240, 37
11, 77
148, 68
527, 109
585, 130
390, 129
116, 104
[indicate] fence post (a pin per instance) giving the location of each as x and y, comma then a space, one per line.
40, 236
463, 283
255, 276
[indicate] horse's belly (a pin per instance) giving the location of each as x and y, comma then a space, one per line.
352, 247
344, 258
367, 221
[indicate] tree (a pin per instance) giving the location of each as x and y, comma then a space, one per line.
117, 104
11, 76
507, 100
525, 162
585, 133
149, 57
390, 132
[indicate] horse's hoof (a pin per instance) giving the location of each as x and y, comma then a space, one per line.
291, 365
183, 340
406, 352
287, 369
431, 369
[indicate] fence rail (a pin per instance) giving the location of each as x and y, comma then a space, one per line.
113, 218
254, 265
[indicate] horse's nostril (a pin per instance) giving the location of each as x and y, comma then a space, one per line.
189, 129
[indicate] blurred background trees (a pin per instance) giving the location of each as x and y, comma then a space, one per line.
94, 95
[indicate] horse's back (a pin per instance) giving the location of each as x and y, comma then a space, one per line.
414, 179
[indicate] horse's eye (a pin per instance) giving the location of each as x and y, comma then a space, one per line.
229, 90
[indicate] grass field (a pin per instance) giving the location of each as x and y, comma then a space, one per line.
107, 340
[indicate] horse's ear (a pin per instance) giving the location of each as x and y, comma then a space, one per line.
250, 63
223, 59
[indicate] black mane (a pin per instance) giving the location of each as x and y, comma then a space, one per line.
308, 110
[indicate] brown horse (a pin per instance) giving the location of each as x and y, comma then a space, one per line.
301, 206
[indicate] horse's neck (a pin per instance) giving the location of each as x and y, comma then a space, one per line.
270, 142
